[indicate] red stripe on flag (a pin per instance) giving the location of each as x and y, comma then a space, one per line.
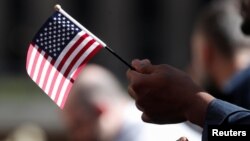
78, 42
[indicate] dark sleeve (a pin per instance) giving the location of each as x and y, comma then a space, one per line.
221, 112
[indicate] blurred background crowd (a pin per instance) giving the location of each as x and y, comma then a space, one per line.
159, 30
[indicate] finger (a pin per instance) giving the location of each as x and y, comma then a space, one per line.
142, 66
146, 118
136, 80
138, 106
131, 75
138, 84
146, 61
132, 93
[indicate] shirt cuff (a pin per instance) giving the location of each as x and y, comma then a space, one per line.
218, 111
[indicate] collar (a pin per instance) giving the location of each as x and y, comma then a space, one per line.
236, 80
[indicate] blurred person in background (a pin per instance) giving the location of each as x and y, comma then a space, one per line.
221, 50
99, 110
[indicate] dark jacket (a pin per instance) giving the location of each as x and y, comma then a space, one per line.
237, 91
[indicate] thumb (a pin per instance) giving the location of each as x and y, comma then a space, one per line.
143, 66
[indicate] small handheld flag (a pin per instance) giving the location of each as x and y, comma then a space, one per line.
58, 53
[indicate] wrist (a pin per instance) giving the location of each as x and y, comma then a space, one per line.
196, 111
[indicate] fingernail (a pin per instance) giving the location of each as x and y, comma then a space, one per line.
136, 62
146, 61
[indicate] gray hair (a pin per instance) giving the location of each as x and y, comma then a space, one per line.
227, 24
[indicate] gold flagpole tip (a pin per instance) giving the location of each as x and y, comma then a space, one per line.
57, 7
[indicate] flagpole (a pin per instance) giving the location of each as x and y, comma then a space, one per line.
58, 8
119, 57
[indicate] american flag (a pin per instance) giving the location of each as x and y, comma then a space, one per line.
58, 53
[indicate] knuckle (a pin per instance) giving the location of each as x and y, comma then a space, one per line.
131, 92
143, 104
136, 86
129, 75
140, 103
163, 67
146, 118
138, 106
129, 89
143, 117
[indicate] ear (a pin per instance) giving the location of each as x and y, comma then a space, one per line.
208, 53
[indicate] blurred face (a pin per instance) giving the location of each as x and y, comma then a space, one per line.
209, 63
82, 121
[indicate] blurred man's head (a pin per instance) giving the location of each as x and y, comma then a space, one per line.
94, 105
221, 41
